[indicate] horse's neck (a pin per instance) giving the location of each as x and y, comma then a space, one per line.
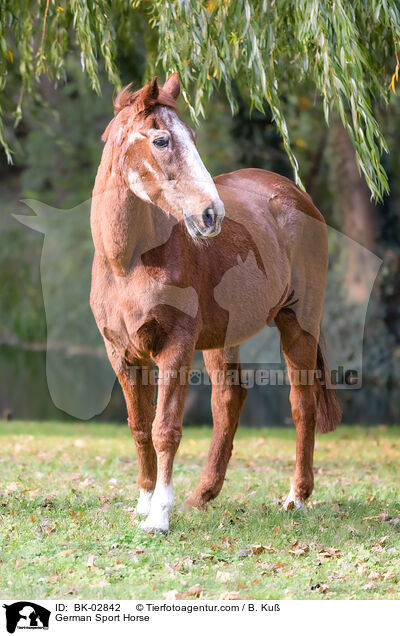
123, 226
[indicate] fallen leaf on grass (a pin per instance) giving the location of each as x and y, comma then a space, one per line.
381, 576
77, 513
47, 527
223, 576
174, 595
339, 577
229, 596
259, 549
382, 540
275, 567
11, 487
99, 584
233, 596
299, 549
369, 586
379, 546
32, 494
119, 565
195, 590
183, 564
329, 553
243, 553
66, 552
91, 561
52, 579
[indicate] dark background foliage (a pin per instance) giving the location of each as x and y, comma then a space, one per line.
56, 151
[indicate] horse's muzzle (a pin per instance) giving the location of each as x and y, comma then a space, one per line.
208, 223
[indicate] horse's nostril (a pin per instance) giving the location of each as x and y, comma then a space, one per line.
208, 217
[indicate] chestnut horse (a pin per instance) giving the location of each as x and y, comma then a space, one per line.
172, 275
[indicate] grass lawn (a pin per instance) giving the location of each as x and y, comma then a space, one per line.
68, 527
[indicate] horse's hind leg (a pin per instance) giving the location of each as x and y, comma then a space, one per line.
227, 400
300, 351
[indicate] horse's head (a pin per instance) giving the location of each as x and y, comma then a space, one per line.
156, 156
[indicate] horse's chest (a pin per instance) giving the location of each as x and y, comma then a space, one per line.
131, 310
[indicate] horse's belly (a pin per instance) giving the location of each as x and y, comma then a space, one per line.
245, 301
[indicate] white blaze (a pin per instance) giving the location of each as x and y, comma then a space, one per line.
134, 136
196, 168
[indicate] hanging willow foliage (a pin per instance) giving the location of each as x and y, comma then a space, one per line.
345, 48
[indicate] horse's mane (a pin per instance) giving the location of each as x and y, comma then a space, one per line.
143, 101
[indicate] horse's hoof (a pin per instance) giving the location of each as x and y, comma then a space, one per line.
144, 503
292, 503
194, 501
152, 527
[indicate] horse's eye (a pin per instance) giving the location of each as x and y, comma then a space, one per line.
161, 142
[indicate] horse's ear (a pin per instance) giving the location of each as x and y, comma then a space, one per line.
124, 98
172, 86
149, 94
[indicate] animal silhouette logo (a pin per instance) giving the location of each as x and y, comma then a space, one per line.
79, 376
26, 615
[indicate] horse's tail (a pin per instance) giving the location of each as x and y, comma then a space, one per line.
329, 409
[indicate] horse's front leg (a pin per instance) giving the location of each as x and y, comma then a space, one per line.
140, 393
174, 365
227, 399
139, 396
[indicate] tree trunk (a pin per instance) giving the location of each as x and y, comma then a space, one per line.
356, 214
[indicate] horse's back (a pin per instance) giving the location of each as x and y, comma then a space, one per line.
272, 187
